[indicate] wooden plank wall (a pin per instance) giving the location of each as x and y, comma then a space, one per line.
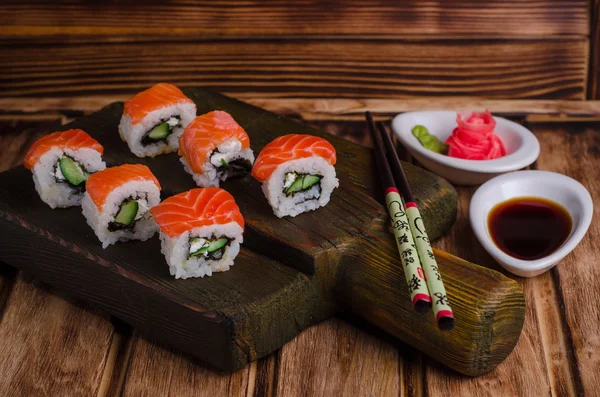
357, 55
275, 48
594, 79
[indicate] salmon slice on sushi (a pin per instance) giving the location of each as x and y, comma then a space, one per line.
215, 147
297, 173
61, 163
154, 119
200, 230
117, 201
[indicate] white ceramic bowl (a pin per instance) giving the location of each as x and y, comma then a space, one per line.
549, 185
522, 147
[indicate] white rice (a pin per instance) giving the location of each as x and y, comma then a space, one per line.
228, 151
302, 201
98, 219
133, 134
177, 250
60, 194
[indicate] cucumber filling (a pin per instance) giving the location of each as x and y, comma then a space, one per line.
162, 130
295, 183
212, 248
70, 171
130, 211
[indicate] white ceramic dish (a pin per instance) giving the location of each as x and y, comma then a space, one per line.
556, 187
522, 147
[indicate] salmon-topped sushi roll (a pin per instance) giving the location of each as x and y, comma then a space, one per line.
297, 173
200, 230
154, 119
214, 147
117, 201
61, 163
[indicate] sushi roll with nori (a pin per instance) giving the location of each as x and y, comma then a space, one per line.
117, 201
214, 147
297, 173
154, 119
61, 163
200, 231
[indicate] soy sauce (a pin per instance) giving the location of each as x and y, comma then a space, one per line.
529, 228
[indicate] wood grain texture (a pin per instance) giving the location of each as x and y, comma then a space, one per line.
333, 111
575, 151
551, 69
545, 350
200, 320
540, 364
117, 361
50, 347
413, 374
16, 136
594, 69
337, 359
162, 372
486, 330
231, 321
545, 292
526, 372
563, 375
277, 18
280, 285
516, 377
353, 109
265, 379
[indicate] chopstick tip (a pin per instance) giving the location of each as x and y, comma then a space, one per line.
422, 306
446, 323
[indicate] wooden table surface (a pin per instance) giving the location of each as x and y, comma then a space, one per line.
53, 346
325, 63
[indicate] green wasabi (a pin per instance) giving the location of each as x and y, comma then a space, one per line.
429, 141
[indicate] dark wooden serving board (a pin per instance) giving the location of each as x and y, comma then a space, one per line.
290, 273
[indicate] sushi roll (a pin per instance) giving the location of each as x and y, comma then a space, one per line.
214, 147
200, 231
61, 163
117, 201
297, 173
154, 119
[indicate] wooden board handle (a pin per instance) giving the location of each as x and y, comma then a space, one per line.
489, 308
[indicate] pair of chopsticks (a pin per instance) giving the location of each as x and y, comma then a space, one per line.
416, 255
